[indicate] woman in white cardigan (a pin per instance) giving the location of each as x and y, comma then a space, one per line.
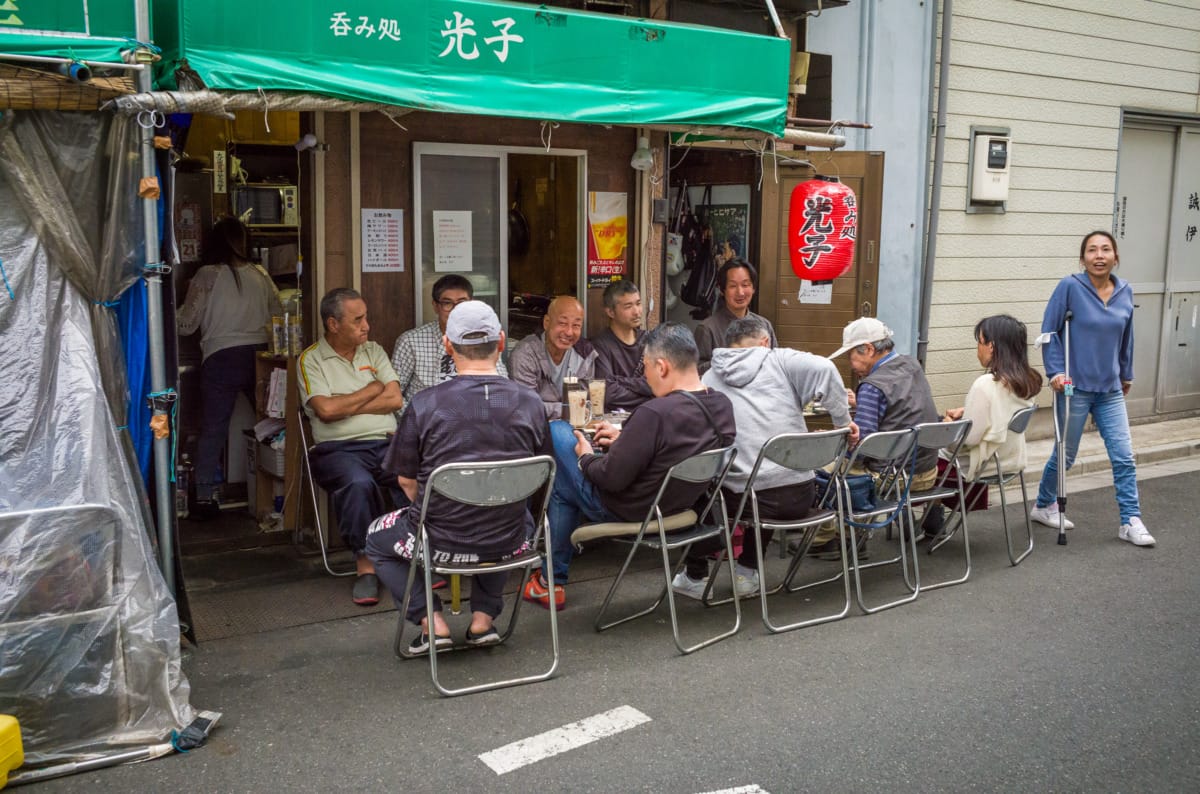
1008, 385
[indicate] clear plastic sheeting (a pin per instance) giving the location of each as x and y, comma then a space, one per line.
89, 634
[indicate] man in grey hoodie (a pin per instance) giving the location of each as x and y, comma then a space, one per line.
768, 388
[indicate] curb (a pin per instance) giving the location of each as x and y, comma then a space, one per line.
1091, 464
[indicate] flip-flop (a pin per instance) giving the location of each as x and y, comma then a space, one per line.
420, 643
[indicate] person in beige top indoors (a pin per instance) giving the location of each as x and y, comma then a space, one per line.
351, 393
230, 300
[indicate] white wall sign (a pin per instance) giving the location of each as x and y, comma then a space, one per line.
382, 241
452, 241
816, 291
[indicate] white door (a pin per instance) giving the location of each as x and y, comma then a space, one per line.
1155, 219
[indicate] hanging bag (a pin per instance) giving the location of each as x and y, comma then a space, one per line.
701, 287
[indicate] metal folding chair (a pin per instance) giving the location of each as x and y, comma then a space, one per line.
798, 452
950, 437
484, 484
306, 476
1001, 479
685, 528
895, 452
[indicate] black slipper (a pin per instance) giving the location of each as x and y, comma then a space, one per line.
420, 643
487, 637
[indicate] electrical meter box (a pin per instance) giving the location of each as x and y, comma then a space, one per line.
991, 160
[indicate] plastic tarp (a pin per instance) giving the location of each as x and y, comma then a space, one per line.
484, 58
89, 635
88, 31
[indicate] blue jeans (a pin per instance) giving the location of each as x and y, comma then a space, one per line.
1108, 412
573, 496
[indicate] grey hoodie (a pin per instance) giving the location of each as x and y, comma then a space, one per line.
769, 389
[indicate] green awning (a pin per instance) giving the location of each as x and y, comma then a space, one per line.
485, 58
86, 30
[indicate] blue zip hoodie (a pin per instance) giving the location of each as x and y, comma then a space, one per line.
1101, 333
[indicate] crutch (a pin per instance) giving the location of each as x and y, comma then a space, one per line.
1060, 433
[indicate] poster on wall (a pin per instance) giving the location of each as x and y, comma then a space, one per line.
452, 241
730, 224
608, 225
382, 241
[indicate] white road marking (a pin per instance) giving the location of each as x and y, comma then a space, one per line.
753, 788
576, 734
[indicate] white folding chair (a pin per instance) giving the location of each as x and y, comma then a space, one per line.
484, 484
1001, 479
950, 437
676, 531
894, 453
798, 452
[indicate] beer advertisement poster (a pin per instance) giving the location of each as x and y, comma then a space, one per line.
608, 224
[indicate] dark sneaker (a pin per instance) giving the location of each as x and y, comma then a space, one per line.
366, 590
934, 520
835, 555
828, 547
420, 643
488, 637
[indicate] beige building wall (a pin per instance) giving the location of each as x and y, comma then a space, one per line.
1058, 74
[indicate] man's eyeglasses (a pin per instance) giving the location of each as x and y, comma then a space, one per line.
447, 303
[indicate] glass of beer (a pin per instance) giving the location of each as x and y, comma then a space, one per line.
596, 389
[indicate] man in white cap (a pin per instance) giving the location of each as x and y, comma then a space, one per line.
477, 415
893, 393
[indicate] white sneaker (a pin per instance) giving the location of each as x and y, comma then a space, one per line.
746, 580
1135, 532
686, 586
1049, 516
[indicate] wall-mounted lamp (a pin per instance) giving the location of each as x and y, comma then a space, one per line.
643, 158
309, 141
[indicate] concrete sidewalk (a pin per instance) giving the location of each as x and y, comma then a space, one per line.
1154, 442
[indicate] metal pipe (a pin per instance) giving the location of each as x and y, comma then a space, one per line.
775, 19
802, 122
165, 507
130, 67
935, 193
822, 139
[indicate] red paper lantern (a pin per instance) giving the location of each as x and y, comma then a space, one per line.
822, 224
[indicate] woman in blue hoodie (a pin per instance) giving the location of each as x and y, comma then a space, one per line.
1101, 307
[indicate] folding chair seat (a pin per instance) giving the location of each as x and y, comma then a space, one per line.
798, 452
685, 527
306, 477
484, 484
947, 436
1001, 479
895, 452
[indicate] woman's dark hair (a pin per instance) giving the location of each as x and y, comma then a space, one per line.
1010, 354
1102, 233
228, 244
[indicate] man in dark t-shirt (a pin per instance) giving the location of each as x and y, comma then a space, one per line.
621, 484
619, 348
480, 415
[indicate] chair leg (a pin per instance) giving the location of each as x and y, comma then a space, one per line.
737, 606
962, 511
599, 623
792, 568
914, 584
322, 541
1016, 559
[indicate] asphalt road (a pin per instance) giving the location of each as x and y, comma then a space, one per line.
1075, 671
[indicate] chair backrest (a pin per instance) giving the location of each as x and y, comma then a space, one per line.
1020, 419
802, 451
943, 435
886, 448
710, 466
490, 483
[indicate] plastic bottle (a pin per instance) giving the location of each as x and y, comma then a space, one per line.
295, 326
183, 481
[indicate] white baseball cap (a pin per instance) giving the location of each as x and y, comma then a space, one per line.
860, 332
472, 323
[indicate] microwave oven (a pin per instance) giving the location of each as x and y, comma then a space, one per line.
269, 205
